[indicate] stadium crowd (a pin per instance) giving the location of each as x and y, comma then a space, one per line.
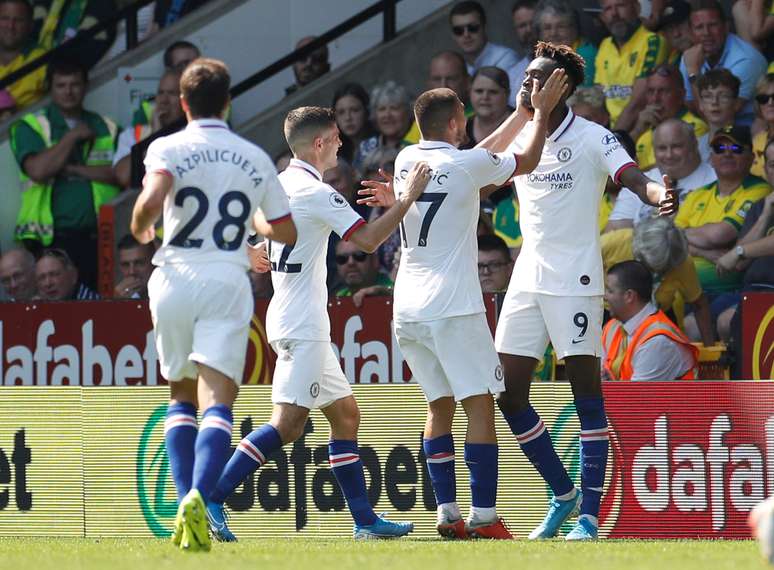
688, 92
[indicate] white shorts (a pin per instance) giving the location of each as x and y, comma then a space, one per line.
201, 315
307, 374
528, 320
452, 357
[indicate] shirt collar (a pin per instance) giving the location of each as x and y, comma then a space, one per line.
433, 145
207, 124
563, 126
488, 47
634, 323
303, 165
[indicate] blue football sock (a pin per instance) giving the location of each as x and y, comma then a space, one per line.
213, 446
180, 431
481, 459
250, 454
440, 464
594, 442
535, 442
344, 458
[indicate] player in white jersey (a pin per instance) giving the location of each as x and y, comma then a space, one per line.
557, 286
209, 183
307, 373
439, 314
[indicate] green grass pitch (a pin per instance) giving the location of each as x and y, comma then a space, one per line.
297, 553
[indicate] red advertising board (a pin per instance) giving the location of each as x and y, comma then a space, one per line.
758, 336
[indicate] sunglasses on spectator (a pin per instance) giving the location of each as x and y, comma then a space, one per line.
764, 98
360, 257
720, 148
470, 28
491, 267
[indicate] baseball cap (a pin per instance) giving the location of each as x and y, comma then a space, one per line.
676, 12
6, 100
738, 134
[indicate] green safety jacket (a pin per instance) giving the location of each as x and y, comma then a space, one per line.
35, 220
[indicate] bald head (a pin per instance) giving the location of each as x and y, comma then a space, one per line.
17, 274
676, 149
448, 69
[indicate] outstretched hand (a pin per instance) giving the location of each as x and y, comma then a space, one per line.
669, 203
545, 98
379, 193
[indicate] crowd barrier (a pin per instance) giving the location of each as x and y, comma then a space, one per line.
687, 460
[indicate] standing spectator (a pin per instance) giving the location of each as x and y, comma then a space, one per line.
675, 25
489, 97
715, 47
523, 16
391, 113
351, 105
167, 12
468, 26
764, 105
65, 156
179, 54
589, 103
718, 91
135, 260
57, 278
625, 59
310, 67
17, 49
557, 22
713, 214
494, 264
59, 21
641, 342
664, 99
17, 275
165, 111
358, 273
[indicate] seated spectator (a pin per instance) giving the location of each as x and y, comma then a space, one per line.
135, 260
57, 278
640, 342
17, 275
310, 67
718, 91
167, 12
494, 264
625, 59
58, 22
468, 27
664, 99
447, 69
351, 105
165, 111
358, 274
391, 114
557, 21
589, 103
675, 25
764, 107
17, 49
489, 97
523, 17
65, 156
677, 156
715, 47
663, 249
712, 215
8, 106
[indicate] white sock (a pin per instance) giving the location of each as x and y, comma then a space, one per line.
567, 496
483, 514
448, 512
592, 519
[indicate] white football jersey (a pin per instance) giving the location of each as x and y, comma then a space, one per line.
219, 181
438, 275
299, 307
559, 209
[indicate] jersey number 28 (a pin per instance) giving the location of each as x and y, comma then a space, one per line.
183, 237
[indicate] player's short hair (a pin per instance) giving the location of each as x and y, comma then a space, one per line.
714, 5
659, 244
468, 7
496, 74
303, 124
434, 109
565, 58
492, 242
204, 86
180, 44
718, 77
633, 275
627, 142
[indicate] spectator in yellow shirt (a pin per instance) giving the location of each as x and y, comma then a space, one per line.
764, 108
17, 49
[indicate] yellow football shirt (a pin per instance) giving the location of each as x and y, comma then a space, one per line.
646, 158
31, 87
617, 70
759, 145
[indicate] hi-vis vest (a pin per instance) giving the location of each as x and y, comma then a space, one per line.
36, 220
618, 358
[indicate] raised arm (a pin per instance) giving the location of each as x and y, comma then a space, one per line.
665, 197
